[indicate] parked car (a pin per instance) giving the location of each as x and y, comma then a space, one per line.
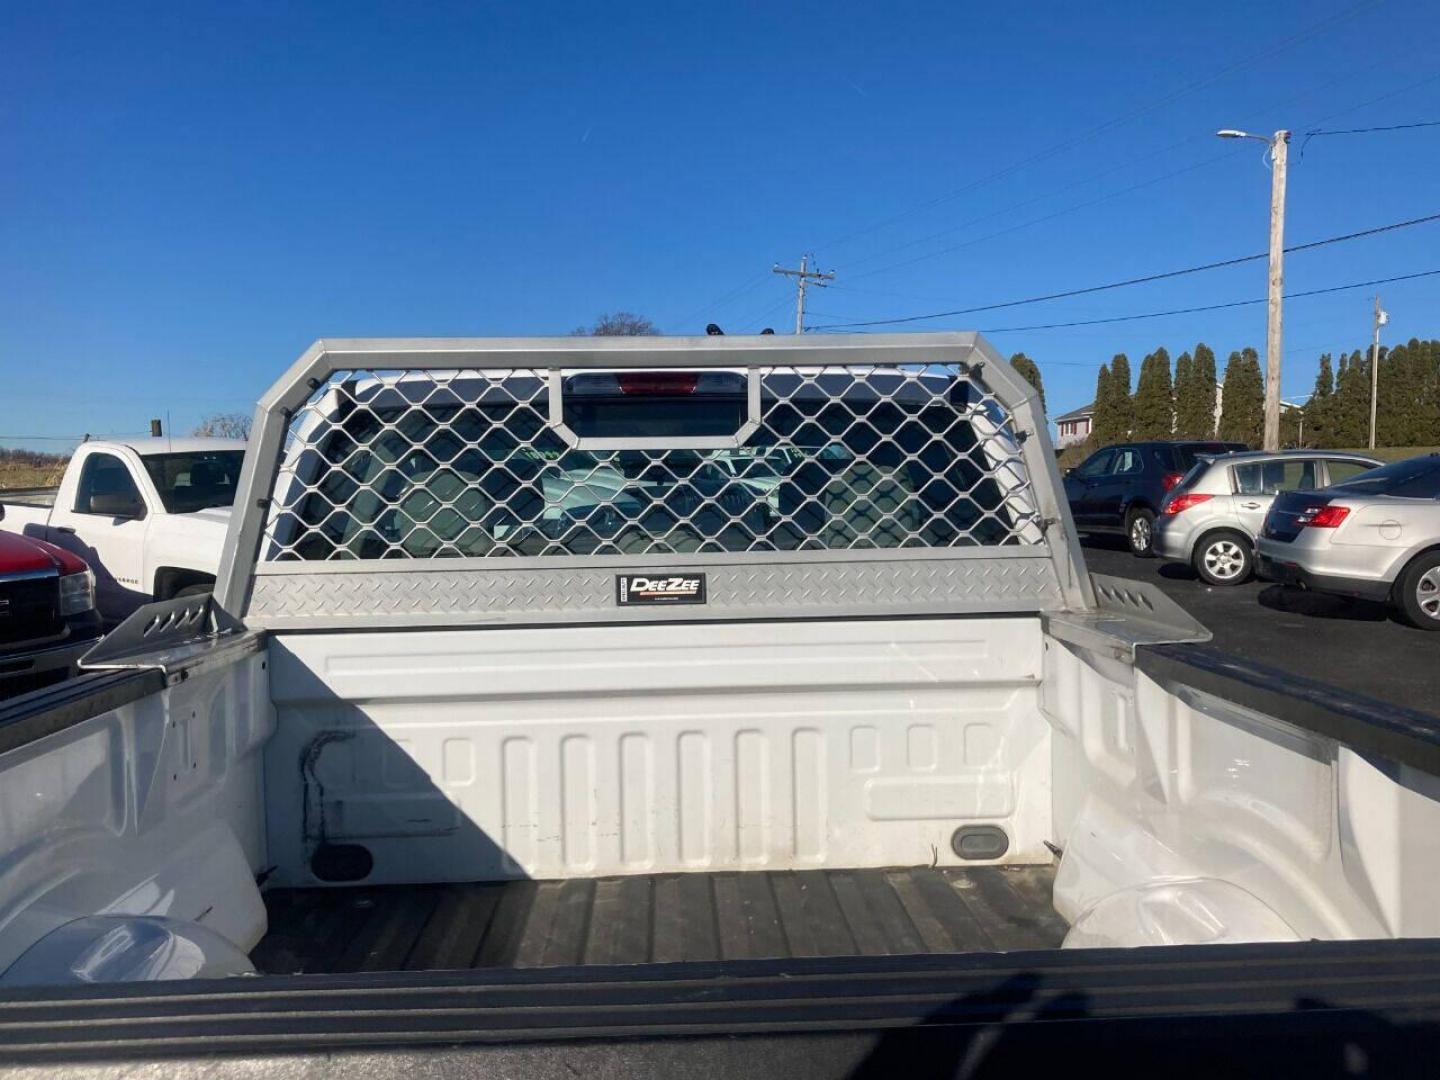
1375, 536
148, 515
1119, 489
1212, 518
47, 612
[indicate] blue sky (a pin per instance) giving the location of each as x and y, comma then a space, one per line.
190, 194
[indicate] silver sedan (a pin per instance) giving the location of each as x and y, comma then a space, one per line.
1211, 519
1376, 537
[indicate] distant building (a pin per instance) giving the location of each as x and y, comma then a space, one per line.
1074, 427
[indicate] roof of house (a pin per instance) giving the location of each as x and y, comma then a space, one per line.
1077, 414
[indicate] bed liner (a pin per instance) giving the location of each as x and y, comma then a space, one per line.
659, 918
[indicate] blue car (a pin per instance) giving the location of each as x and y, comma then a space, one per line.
1119, 489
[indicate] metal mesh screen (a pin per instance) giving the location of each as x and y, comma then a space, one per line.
470, 463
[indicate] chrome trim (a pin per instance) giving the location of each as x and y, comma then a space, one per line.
29, 575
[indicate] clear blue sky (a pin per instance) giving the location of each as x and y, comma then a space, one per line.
191, 194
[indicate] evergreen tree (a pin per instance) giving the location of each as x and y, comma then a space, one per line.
1030, 372
1195, 415
1120, 390
1325, 378
1103, 423
1426, 429
1318, 420
1351, 410
1155, 398
1407, 396
1184, 392
1242, 406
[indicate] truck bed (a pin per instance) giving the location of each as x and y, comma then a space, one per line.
659, 918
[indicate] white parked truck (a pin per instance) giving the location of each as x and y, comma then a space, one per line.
148, 515
523, 731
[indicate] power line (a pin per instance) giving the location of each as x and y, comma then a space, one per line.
1086, 136
1212, 307
750, 284
77, 438
1146, 279
1118, 167
1027, 224
1367, 130
1090, 202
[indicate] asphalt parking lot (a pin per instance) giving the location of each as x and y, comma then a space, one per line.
1351, 644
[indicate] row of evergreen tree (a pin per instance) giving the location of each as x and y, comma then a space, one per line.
1407, 399
1181, 405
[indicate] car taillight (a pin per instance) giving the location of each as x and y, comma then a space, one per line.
77, 593
1322, 517
1184, 501
658, 383
1171, 479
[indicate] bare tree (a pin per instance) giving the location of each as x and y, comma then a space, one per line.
618, 324
224, 426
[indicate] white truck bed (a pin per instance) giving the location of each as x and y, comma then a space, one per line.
399, 742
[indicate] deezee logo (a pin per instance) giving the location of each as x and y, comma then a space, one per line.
670, 589
666, 586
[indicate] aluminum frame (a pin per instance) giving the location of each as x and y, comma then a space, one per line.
239, 565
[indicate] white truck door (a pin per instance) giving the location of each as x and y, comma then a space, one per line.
103, 518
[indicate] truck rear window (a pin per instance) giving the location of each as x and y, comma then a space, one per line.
195, 481
472, 464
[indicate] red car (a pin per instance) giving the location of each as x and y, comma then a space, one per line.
47, 613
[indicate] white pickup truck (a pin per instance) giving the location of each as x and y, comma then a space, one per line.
148, 515
524, 735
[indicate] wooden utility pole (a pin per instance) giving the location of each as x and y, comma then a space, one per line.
1279, 150
802, 277
1381, 318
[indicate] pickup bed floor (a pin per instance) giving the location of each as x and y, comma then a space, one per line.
659, 918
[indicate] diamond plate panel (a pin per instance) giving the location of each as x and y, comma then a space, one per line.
456, 595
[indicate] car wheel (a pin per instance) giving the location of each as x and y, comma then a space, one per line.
1223, 558
1418, 592
1140, 532
194, 590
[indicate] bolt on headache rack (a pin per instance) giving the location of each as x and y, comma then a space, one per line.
514, 480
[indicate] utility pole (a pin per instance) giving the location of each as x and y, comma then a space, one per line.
803, 277
1279, 151
1279, 145
1381, 318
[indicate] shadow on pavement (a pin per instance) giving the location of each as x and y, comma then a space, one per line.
1103, 540
1319, 606
1176, 571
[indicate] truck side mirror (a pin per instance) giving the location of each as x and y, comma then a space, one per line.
118, 505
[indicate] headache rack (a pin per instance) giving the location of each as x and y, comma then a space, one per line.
564, 480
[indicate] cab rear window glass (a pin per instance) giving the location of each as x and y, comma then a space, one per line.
620, 405
201, 480
471, 464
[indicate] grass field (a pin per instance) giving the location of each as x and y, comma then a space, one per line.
1398, 453
15, 475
